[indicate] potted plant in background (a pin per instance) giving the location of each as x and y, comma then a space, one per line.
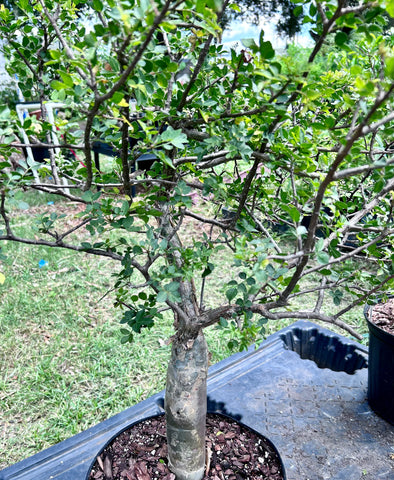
380, 320
313, 137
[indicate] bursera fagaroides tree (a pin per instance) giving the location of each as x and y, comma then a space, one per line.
245, 144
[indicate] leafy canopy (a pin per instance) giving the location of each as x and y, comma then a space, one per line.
281, 163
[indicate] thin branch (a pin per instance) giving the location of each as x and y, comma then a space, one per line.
350, 172
59, 190
346, 256
67, 146
212, 316
261, 227
200, 61
375, 126
62, 40
3, 213
364, 297
210, 221
61, 244
74, 229
320, 297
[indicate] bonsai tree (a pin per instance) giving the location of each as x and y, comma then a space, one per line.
283, 164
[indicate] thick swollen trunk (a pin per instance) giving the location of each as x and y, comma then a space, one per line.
186, 408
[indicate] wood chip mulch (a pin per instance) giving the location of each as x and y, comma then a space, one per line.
383, 315
233, 453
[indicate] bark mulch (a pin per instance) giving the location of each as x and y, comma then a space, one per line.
233, 453
383, 316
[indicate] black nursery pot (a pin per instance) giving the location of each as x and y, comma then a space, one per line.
266, 441
380, 369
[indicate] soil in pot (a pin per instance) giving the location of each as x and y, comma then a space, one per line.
383, 316
234, 452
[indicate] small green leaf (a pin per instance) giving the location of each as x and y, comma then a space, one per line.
67, 79
231, 294
298, 11
208, 270
341, 38
266, 50
127, 339
234, 7
87, 196
390, 7
293, 212
56, 85
97, 5
337, 296
161, 296
323, 258
223, 322
2, 278
389, 67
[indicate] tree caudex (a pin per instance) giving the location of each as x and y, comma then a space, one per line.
281, 164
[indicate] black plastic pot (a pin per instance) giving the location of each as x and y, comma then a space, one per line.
266, 440
380, 369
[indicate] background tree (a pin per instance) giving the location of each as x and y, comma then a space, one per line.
246, 145
288, 18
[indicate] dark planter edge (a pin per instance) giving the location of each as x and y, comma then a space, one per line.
380, 366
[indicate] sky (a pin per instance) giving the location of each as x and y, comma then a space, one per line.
240, 30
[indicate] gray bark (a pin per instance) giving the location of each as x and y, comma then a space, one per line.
186, 408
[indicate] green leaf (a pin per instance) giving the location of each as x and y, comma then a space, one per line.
97, 5
389, 67
161, 296
231, 294
87, 196
390, 7
234, 7
56, 85
208, 270
298, 11
293, 212
176, 137
266, 50
323, 258
2, 278
127, 339
337, 296
127, 222
55, 54
67, 79
341, 38
223, 322
250, 43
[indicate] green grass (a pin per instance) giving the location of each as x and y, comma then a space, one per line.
62, 366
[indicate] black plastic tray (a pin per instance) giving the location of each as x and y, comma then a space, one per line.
318, 418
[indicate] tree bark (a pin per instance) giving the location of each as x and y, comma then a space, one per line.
186, 408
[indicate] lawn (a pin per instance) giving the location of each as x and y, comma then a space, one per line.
63, 368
